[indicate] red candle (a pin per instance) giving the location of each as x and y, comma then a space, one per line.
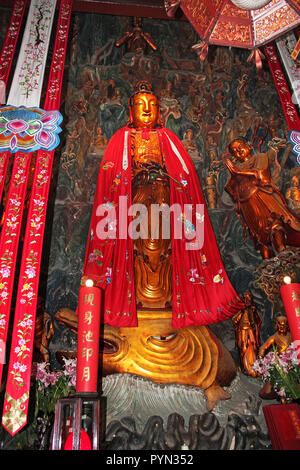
290, 294
89, 311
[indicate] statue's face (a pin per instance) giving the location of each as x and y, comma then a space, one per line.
247, 298
240, 150
144, 110
282, 325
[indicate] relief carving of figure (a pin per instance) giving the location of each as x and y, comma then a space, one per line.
259, 202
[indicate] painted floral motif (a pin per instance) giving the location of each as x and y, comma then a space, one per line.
188, 225
6, 262
28, 293
183, 181
13, 217
203, 260
29, 77
28, 129
12, 36
194, 277
108, 275
25, 326
219, 278
106, 165
95, 257
3, 165
37, 219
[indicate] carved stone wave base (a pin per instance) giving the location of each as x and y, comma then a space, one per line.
191, 356
141, 414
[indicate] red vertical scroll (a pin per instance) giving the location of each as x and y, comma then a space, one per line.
288, 106
18, 381
10, 41
6, 58
9, 241
89, 308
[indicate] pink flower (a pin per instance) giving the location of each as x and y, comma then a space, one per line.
5, 272
72, 381
30, 272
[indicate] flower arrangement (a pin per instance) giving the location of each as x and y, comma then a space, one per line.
282, 371
50, 386
47, 386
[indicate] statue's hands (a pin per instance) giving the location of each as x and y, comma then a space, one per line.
229, 163
226, 157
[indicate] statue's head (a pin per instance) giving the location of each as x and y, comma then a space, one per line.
247, 297
282, 325
240, 149
295, 181
144, 107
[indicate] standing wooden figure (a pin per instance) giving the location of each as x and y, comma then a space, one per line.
247, 335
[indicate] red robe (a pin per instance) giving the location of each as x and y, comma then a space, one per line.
202, 292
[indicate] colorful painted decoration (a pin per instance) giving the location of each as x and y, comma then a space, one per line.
28, 129
294, 138
43, 128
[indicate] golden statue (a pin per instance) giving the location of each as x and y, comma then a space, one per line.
281, 341
247, 326
136, 40
293, 194
262, 207
153, 347
150, 185
99, 142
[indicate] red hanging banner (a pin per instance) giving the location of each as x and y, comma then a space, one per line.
9, 240
10, 42
18, 381
289, 108
6, 58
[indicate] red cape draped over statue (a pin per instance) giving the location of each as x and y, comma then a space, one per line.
202, 292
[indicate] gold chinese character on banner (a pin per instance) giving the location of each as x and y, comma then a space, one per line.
296, 295
88, 316
89, 299
88, 336
297, 310
87, 352
86, 374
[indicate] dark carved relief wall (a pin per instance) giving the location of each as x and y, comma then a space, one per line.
206, 104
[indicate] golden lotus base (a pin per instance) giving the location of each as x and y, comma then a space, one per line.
190, 356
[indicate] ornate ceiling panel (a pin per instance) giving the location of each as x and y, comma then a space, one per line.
221, 22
